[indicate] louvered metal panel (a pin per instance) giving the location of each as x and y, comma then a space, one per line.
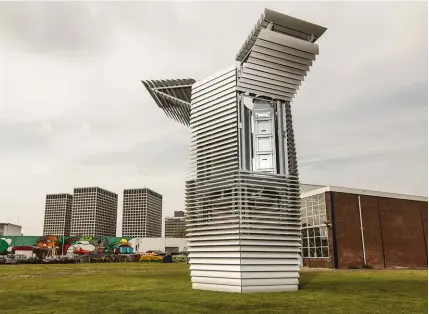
284, 24
260, 219
278, 58
209, 116
172, 96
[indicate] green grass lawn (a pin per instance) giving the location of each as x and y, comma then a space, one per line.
166, 288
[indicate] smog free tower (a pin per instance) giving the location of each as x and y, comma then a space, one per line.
242, 191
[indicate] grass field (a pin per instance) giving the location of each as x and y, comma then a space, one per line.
166, 288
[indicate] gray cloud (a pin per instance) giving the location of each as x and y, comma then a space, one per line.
73, 111
160, 157
63, 28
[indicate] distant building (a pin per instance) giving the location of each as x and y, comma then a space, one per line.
142, 213
175, 227
344, 227
7, 229
94, 212
179, 213
58, 211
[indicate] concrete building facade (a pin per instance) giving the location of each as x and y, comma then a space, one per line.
94, 212
343, 228
175, 226
58, 212
142, 213
7, 229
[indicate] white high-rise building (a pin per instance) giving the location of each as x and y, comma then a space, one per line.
58, 210
94, 212
142, 213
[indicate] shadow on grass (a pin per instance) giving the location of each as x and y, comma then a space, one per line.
306, 278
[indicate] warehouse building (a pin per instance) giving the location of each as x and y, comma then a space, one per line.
346, 228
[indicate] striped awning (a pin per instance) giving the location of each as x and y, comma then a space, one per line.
172, 96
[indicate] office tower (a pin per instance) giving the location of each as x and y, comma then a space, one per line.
94, 212
142, 213
242, 192
58, 212
175, 227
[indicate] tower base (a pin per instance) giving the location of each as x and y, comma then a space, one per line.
244, 232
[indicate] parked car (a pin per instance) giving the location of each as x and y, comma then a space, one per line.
20, 259
10, 260
64, 259
2, 259
33, 260
50, 260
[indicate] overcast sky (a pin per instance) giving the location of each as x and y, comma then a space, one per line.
74, 113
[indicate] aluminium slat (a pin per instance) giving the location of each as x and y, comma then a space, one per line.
257, 81
213, 110
229, 121
210, 159
220, 167
197, 208
219, 85
296, 79
228, 98
209, 138
270, 76
254, 86
173, 110
213, 97
213, 93
280, 61
222, 140
274, 83
215, 116
293, 23
287, 50
277, 52
212, 79
266, 63
289, 41
200, 154
262, 93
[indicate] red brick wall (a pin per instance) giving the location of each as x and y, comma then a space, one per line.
347, 229
395, 231
318, 262
403, 232
372, 231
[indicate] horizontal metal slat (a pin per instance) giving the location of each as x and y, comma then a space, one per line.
289, 41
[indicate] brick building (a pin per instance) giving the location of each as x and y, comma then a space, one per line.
344, 227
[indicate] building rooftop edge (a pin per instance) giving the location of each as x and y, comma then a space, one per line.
332, 188
8, 223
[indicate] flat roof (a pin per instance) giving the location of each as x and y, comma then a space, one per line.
331, 188
8, 223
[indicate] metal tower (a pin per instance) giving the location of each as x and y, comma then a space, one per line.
242, 192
